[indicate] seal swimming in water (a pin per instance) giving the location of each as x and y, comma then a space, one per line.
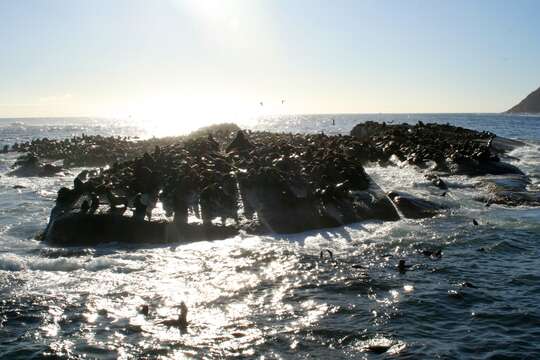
181, 322
434, 255
330, 253
402, 266
144, 309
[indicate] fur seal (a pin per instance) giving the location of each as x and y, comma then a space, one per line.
181, 322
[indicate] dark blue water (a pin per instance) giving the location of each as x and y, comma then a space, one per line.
512, 126
273, 297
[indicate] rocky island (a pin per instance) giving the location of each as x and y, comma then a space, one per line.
223, 180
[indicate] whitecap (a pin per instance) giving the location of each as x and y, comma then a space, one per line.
11, 262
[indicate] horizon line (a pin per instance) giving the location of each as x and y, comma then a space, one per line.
275, 115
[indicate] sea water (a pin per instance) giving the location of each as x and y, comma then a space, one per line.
273, 297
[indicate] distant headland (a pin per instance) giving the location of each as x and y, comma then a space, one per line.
529, 105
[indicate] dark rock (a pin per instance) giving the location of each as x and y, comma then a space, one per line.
30, 166
97, 150
413, 207
509, 190
501, 145
76, 229
515, 198
264, 182
293, 183
240, 143
445, 148
506, 183
472, 167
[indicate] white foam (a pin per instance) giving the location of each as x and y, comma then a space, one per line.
103, 263
11, 262
60, 264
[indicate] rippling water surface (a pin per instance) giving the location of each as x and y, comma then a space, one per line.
273, 297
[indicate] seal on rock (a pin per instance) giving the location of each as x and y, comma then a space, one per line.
413, 207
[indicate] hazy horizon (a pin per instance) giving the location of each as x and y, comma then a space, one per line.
277, 115
213, 59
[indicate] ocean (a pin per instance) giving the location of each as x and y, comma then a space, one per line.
273, 297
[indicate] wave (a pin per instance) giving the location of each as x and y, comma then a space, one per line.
13, 262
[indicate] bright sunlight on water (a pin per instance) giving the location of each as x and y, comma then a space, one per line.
274, 296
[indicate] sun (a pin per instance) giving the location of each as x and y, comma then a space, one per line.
213, 9
177, 115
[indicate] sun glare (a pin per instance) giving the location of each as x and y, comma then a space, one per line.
168, 116
215, 9
210, 8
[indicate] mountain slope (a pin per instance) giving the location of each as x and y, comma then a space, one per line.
530, 105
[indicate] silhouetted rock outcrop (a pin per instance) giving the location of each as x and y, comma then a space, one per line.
443, 147
29, 166
529, 105
265, 182
98, 150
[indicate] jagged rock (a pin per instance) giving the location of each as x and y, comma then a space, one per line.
509, 191
30, 166
292, 184
515, 198
452, 149
98, 150
506, 183
266, 182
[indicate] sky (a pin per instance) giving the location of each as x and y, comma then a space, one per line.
214, 59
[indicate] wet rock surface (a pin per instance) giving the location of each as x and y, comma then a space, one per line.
413, 207
77, 229
509, 190
30, 166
